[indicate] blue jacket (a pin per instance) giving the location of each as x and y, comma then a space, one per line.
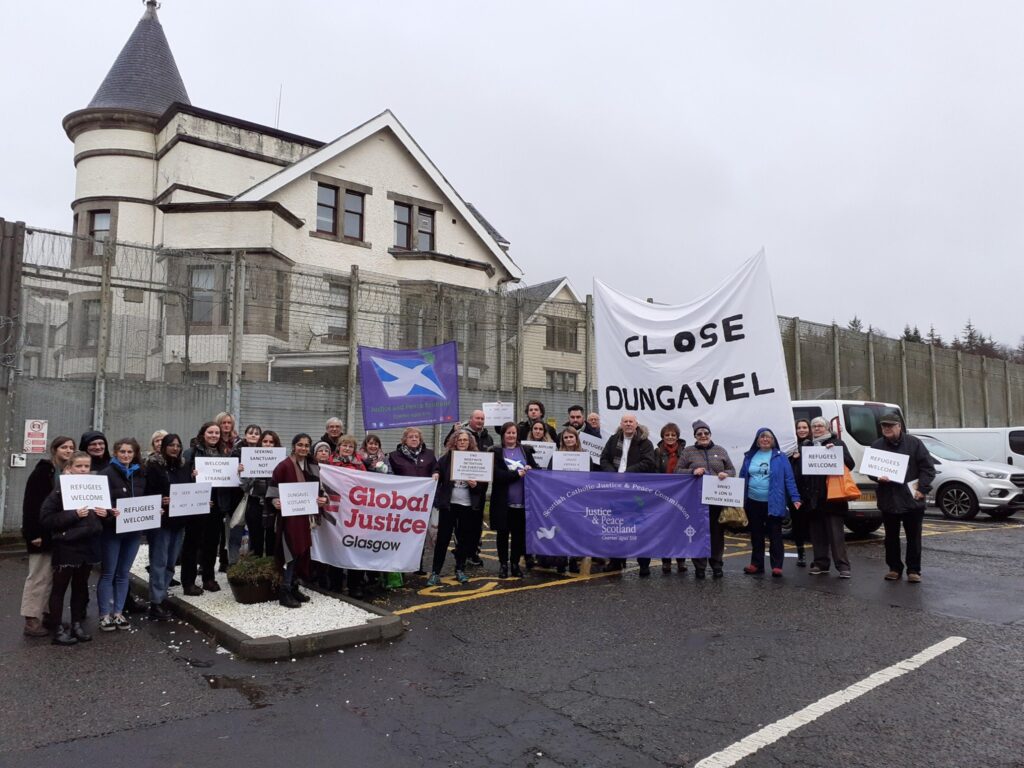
782, 480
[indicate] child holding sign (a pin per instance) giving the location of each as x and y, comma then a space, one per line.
76, 537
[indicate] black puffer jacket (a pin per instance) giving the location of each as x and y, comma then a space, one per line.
76, 540
640, 457
443, 496
122, 487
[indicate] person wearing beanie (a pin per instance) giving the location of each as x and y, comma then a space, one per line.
697, 459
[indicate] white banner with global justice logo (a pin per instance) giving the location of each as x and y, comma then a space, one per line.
380, 521
718, 358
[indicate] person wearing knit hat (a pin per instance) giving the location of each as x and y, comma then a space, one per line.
322, 452
697, 459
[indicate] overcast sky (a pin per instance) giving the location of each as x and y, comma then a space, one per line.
874, 150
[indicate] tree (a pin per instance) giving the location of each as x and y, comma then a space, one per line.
934, 338
911, 334
856, 325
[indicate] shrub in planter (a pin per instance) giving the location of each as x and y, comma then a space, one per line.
255, 579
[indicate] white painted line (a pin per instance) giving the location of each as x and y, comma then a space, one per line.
772, 733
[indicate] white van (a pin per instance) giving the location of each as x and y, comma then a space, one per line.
1003, 445
856, 423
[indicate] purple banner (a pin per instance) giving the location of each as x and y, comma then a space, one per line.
612, 515
409, 387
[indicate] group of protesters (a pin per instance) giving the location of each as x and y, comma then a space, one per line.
64, 545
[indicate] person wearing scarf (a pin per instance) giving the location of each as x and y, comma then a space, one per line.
373, 456
294, 540
703, 457
413, 459
826, 519
118, 550
666, 454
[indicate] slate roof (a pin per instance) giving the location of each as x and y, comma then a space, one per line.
534, 296
144, 76
487, 225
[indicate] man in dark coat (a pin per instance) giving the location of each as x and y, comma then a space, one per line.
475, 426
902, 500
629, 450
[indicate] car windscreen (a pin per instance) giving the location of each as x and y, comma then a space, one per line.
862, 421
945, 450
1017, 441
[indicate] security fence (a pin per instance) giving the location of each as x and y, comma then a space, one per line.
129, 339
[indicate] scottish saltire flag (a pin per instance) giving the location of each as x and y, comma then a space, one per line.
613, 515
409, 387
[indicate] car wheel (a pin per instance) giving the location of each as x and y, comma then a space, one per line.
1000, 513
863, 527
957, 502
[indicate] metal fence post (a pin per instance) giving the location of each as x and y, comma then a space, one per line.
12, 249
520, 343
588, 352
438, 339
103, 340
353, 350
234, 394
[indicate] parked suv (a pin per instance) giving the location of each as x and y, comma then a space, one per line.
964, 484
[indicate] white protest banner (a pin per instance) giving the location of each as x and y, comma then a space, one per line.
77, 491
260, 462
722, 493
541, 451
138, 514
496, 414
879, 463
298, 499
718, 358
592, 445
36, 431
473, 465
817, 460
218, 471
571, 461
381, 523
189, 499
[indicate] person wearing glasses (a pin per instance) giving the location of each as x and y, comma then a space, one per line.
902, 500
697, 459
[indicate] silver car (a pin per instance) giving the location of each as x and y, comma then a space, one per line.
965, 485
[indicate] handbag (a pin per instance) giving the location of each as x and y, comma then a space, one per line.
842, 487
733, 517
238, 516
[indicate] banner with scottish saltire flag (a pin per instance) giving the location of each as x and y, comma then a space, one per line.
409, 387
615, 515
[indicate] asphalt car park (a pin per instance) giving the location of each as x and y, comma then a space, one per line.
607, 670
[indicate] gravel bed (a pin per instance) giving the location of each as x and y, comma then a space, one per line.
320, 614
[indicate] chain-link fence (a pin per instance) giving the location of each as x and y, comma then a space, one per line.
128, 339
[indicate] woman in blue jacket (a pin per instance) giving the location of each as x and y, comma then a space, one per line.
769, 479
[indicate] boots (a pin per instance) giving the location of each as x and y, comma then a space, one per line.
34, 627
503, 571
302, 598
287, 599
61, 636
79, 633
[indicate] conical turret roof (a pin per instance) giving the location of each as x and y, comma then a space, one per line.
144, 77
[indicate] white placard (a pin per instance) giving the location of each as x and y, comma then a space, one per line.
496, 414
542, 451
298, 498
817, 460
592, 445
473, 465
879, 463
218, 471
570, 461
79, 491
722, 493
260, 462
36, 431
190, 499
138, 514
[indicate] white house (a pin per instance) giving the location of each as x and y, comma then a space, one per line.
189, 185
